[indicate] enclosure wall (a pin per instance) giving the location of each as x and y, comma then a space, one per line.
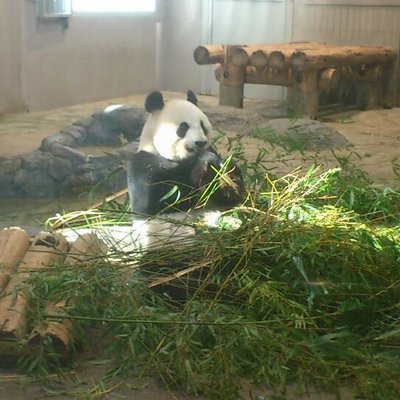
350, 22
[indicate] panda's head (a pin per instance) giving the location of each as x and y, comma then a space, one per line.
177, 129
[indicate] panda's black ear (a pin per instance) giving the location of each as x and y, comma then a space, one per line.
191, 97
154, 101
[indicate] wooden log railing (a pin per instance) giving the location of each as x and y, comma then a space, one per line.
307, 69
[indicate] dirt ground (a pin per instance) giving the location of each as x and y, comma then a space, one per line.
374, 134
375, 147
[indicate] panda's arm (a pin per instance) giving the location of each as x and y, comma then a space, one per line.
148, 175
231, 190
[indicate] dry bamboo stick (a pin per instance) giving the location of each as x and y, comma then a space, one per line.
14, 243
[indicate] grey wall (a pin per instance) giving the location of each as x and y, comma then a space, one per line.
10, 60
98, 56
43, 66
181, 33
351, 22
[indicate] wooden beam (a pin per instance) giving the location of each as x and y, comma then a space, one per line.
209, 54
331, 57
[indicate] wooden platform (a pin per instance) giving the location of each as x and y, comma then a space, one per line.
317, 75
21, 256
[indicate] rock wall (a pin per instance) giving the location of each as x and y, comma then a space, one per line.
59, 167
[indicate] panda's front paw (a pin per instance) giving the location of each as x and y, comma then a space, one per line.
210, 157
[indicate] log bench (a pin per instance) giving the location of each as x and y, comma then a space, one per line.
318, 76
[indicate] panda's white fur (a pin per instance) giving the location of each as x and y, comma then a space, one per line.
159, 132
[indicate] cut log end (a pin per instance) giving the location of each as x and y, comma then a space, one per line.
211, 54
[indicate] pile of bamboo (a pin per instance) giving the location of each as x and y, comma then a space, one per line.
305, 68
21, 256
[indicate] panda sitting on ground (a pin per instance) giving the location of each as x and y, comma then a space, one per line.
175, 163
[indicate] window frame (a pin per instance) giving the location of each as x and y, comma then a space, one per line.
114, 11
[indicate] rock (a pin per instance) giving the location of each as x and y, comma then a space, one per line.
98, 134
8, 170
73, 155
10, 165
84, 122
34, 183
300, 134
58, 139
123, 120
78, 132
59, 168
35, 160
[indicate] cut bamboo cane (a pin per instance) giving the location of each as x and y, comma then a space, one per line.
46, 249
14, 243
209, 54
87, 249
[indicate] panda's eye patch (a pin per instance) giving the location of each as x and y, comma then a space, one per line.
204, 128
182, 130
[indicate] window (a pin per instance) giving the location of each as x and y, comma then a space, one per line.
114, 6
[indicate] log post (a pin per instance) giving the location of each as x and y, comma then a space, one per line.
329, 79
14, 243
303, 95
231, 87
369, 87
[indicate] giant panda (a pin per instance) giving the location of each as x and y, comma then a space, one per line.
175, 163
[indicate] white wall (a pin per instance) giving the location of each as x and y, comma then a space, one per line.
181, 33
98, 56
250, 22
43, 66
10, 60
351, 22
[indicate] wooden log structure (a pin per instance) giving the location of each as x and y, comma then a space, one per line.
86, 250
212, 54
21, 256
333, 57
46, 249
306, 68
14, 242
